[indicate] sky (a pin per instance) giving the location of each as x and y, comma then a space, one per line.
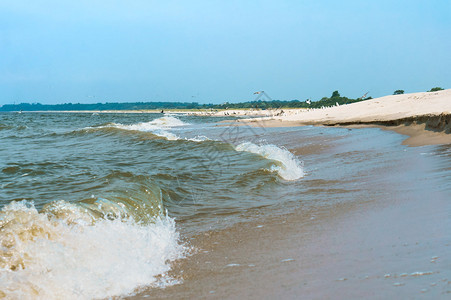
211, 51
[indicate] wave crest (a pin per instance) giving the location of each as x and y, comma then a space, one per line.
288, 166
158, 127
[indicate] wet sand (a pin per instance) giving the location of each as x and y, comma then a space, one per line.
352, 251
416, 134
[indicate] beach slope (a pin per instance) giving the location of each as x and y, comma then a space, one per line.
425, 117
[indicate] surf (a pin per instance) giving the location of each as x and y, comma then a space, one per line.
91, 249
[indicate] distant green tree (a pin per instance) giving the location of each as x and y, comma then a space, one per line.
436, 89
335, 94
398, 92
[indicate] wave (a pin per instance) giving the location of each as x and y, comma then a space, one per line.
4, 126
175, 114
9, 127
288, 166
96, 248
164, 122
199, 138
158, 127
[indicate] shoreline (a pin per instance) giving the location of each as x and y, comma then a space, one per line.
193, 112
383, 246
420, 131
424, 117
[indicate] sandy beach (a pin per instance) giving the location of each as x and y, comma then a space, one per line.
425, 117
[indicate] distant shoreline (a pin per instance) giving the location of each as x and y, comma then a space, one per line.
155, 111
199, 112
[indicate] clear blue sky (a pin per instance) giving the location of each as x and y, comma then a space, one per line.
214, 51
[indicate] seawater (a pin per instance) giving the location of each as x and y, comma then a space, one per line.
99, 205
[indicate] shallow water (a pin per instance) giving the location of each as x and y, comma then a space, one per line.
88, 196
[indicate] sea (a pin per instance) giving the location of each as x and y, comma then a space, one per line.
100, 205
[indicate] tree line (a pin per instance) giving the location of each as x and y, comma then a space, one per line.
333, 100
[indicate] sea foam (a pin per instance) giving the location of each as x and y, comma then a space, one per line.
160, 127
70, 255
288, 166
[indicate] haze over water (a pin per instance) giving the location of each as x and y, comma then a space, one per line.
98, 205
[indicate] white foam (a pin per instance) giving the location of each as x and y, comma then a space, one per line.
160, 123
421, 273
288, 166
175, 114
160, 127
168, 121
166, 134
199, 138
45, 257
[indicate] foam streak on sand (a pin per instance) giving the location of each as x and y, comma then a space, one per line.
289, 167
48, 256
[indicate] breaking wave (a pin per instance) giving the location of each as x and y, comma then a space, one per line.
288, 166
96, 248
158, 127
